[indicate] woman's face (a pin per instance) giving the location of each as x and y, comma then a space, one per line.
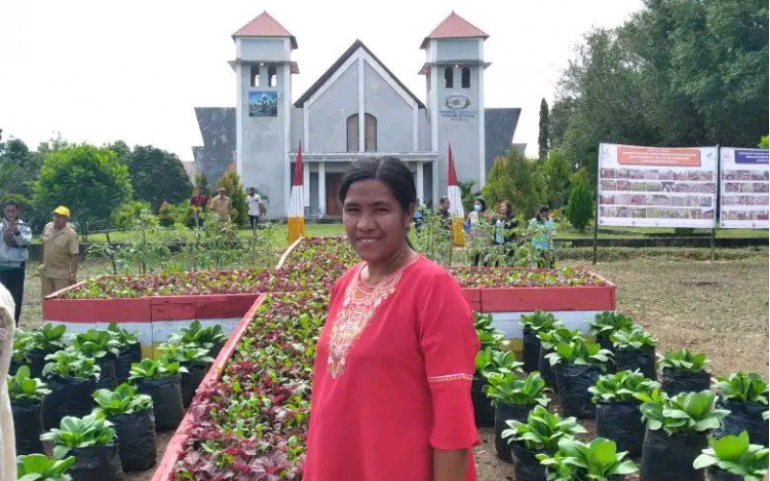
374, 222
477, 206
504, 209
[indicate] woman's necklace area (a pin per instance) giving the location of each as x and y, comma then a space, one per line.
367, 280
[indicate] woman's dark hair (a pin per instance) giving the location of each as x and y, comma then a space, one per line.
542, 210
509, 207
483, 203
13, 203
388, 170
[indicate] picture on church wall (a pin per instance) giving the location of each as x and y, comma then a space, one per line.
263, 104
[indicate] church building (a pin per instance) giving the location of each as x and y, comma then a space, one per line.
356, 109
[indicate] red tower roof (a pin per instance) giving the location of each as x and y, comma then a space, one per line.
265, 26
454, 26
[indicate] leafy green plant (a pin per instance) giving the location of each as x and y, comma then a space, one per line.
152, 368
739, 386
491, 361
684, 360
22, 387
49, 338
542, 431
96, 343
184, 353
685, 413
577, 461
506, 388
202, 336
634, 338
124, 338
91, 430
39, 467
622, 386
735, 455
489, 336
22, 343
71, 363
539, 321
605, 323
125, 399
559, 334
580, 352
580, 209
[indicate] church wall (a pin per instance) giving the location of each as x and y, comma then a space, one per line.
457, 49
262, 49
423, 126
394, 115
297, 128
328, 115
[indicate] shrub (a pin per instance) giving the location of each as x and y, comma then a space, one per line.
580, 209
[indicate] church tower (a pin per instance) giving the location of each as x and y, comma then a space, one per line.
263, 70
454, 71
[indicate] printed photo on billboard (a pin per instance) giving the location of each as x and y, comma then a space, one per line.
744, 188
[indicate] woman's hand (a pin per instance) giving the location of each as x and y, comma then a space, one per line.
450, 465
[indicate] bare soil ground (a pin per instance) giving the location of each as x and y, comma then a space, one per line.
719, 308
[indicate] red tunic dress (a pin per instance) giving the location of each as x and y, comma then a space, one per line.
392, 379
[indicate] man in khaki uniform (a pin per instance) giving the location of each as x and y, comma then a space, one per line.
221, 205
59, 255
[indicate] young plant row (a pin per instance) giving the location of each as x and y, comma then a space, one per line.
85, 415
633, 415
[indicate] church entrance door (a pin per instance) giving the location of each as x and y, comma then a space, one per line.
333, 206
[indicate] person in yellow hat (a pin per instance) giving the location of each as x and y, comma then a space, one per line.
60, 252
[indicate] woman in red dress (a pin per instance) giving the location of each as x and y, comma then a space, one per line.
391, 391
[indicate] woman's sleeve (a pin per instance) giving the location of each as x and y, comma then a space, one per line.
449, 346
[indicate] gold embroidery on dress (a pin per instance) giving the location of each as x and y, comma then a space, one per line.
358, 307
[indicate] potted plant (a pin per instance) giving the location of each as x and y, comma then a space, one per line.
577, 461
490, 339
577, 366
745, 396
132, 416
635, 349
618, 399
22, 344
485, 329
72, 378
539, 435
676, 434
129, 351
513, 400
39, 467
27, 394
682, 371
47, 340
101, 346
193, 357
212, 337
605, 324
532, 324
91, 439
161, 379
488, 361
732, 458
549, 338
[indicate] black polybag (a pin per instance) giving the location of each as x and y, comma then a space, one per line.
28, 426
573, 381
96, 463
531, 350
606, 343
192, 379
216, 348
483, 410
136, 439
675, 381
670, 457
744, 416
107, 378
503, 413
632, 359
546, 371
126, 357
526, 465
621, 422
70, 396
37, 362
166, 393
715, 474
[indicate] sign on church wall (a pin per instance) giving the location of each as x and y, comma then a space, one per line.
263, 104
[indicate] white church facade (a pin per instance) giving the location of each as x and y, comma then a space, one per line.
357, 108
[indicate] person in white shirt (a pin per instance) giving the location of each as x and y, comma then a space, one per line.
254, 201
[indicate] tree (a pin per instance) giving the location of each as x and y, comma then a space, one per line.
121, 149
157, 176
518, 180
558, 173
202, 181
580, 209
87, 179
543, 138
231, 181
763, 143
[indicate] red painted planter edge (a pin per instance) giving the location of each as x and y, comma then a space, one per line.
509, 299
175, 447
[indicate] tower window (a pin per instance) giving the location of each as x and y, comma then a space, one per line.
449, 77
272, 77
370, 133
254, 77
466, 78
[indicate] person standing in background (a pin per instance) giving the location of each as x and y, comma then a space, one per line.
543, 229
254, 201
443, 212
199, 201
14, 242
59, 254
221, 205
